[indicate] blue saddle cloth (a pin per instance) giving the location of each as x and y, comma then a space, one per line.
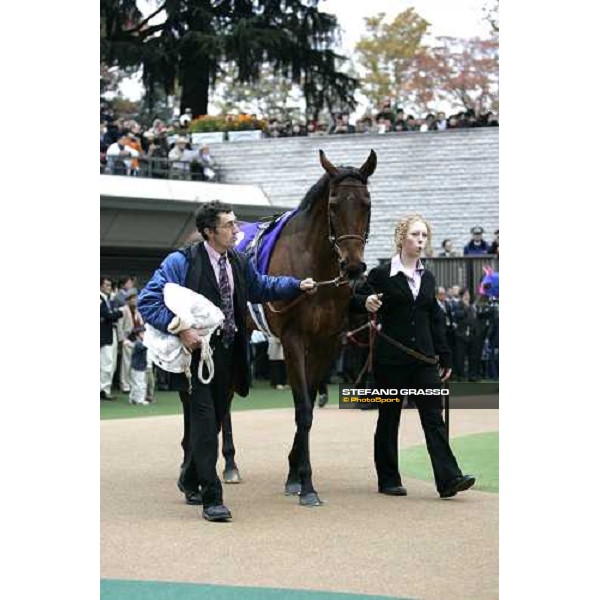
257, 240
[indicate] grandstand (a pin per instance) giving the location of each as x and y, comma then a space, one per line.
449, 177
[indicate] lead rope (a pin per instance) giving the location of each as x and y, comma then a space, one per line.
368, 366
206, 359
375, 330
338, 282
426, 359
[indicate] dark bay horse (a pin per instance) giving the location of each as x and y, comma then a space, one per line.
325, 240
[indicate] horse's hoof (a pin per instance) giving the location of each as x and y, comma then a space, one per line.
293, 489
311, 499
323, 400
231, 476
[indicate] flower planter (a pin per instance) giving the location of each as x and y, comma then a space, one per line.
244, 136
208, 137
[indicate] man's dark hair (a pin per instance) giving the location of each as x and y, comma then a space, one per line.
103, 278
444, 242
123, 280
208, 215
463, 291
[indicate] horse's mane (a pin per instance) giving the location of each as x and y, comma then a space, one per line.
321, 188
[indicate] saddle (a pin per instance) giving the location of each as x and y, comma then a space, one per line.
256, 242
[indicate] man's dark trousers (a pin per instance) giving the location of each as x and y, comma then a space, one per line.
207, 409
419, 376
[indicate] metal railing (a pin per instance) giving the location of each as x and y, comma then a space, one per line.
158, 168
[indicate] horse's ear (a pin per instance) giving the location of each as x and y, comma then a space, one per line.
333, 171
370, 164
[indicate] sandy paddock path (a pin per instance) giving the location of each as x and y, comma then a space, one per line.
359, 541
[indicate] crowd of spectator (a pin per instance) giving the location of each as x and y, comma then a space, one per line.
472, 331
476, 246
165, 150
386, 120
124, 364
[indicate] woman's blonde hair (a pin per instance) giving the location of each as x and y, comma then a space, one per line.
402, 229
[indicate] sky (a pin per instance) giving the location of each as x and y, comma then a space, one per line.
457, 18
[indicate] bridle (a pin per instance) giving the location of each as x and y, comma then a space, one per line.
334, 239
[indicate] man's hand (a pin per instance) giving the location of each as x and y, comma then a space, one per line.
308, 285
373, 303
445, 374
191, 338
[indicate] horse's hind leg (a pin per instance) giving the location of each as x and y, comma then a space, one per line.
231, 473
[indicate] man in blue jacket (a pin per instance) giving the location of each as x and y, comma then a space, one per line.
216, 271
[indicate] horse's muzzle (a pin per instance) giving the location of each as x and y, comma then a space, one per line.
352, 271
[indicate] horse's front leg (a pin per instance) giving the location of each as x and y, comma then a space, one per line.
299, 458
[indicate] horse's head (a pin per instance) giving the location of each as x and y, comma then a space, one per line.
490, 284
349, 213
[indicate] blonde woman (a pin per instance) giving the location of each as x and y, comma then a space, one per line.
411, 353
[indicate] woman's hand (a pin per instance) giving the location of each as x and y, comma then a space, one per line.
445, 374
373, 303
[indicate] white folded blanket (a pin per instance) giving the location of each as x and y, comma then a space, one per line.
191, 310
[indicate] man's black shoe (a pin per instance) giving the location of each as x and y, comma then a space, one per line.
193, 498
395, 490
460, 484
216, 512
105, 396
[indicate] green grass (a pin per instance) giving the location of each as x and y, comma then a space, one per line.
476, 454
167, 403
119, 589
261, 396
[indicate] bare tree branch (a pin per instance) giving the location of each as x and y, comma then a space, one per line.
146, 20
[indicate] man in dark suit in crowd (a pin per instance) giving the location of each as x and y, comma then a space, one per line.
495, 245
403, 293
228, 279
448, 309
466, 336
109, 315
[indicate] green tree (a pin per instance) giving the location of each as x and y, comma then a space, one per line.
197, 37
387, 54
